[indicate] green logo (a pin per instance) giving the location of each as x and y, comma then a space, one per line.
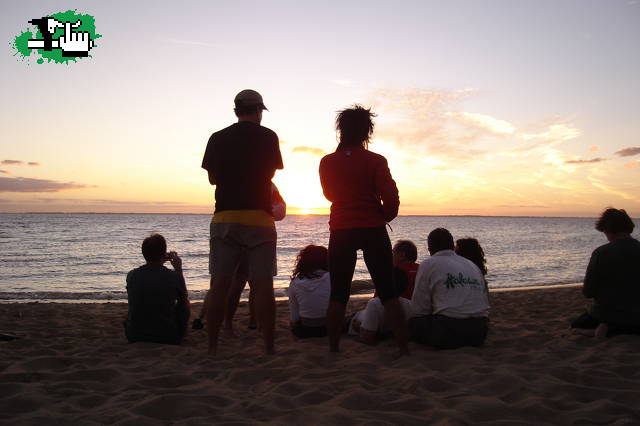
59, 38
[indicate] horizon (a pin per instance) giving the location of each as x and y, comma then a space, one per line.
500, 109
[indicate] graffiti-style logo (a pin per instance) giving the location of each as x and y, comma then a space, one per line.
59, 37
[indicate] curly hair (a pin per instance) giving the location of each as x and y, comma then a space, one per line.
310, 260
472, 250
355, 126
614, 221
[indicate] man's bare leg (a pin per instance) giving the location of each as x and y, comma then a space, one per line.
395, 318
215, 309
335, 318
252, 311
233, 300
265, 305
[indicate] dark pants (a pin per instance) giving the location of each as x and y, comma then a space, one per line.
170, 337
443, 332
589, 322
303, 332
376, 248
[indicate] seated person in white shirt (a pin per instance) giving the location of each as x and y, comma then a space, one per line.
309, 292
450, 305
370, 324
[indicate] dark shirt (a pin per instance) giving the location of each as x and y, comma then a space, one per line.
152, 291
360, 187
243, 158
613, 281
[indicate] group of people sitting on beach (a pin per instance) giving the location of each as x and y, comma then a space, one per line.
443, 302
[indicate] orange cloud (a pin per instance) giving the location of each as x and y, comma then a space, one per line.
12, 162
593, 160
594, 148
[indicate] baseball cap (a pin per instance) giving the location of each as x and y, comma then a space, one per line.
249, 97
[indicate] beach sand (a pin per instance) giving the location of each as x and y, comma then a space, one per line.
73, 366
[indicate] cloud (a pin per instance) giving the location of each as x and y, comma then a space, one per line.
4, 171
19, 163
483, 121
591, 161
611, 190
628, 152
594, 148
632, 164
19, 184
532, 206
309, 149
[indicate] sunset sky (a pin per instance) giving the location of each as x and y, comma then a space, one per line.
484, 107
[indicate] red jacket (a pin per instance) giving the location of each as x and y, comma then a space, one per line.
360, 187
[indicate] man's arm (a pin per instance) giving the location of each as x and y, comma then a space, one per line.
421, 299
324, 181
388, 191
590, 285
176, 262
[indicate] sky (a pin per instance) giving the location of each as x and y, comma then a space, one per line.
515, 108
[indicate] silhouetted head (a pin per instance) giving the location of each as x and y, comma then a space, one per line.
439, 239
154, 248
354, 126
472, 250
404, 251
249, 106
614, 222
311, 259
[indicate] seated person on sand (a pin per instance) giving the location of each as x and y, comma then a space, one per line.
450, 305
370, 324
472, 250
158, 299
613, 280
309, 293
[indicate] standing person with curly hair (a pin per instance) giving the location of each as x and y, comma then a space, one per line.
613, 280
364, 198
309, 293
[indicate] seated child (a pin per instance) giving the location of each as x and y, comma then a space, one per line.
309, 292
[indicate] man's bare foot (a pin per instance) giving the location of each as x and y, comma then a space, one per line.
589, 332
601, 331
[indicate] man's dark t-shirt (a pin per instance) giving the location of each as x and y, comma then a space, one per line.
613, 280
243, 158
154, 315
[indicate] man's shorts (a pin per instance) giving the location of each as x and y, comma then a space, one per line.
231, 243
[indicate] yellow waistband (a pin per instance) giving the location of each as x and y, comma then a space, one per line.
244, 217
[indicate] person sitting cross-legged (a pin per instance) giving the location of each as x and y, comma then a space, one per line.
450, 305
612, 280
158, 300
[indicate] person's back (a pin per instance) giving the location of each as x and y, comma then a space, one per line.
616, 282
456, 286
244, 158
355, 180
157, 297
450, 302
152, 291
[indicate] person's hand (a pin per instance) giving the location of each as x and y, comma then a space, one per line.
175, 260
78, 42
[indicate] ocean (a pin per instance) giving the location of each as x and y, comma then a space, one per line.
85, 257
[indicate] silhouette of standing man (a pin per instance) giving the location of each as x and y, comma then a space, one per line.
241, 160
